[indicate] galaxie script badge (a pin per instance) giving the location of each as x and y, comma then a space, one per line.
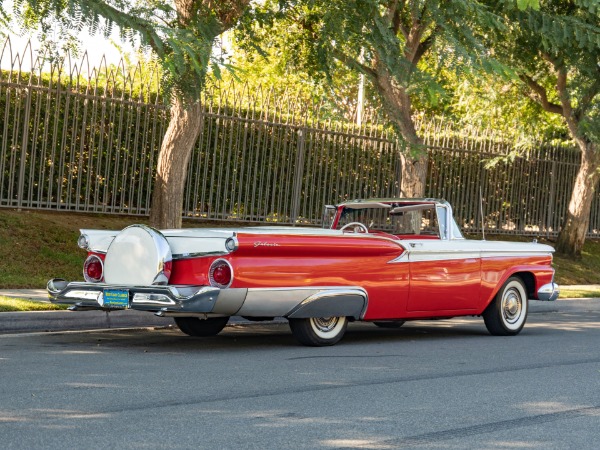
266, 244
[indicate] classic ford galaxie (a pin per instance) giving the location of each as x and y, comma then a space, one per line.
384, 261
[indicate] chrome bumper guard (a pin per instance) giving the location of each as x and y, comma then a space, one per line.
292, 302
548, 292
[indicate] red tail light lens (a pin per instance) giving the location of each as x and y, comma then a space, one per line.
220, 274
93, 269
168, 269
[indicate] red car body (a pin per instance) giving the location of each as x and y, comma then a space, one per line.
409, 262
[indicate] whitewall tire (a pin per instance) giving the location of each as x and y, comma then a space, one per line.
319, 331
507, 313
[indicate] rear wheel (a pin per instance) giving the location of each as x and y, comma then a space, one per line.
507, 313
193, 326
319, 331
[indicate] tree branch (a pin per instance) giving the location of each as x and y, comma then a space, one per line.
586, 100
413, 51
426, 45
354, 64
394, 16
539, 95
228, 11
567, 107
416, 13
398, 23
561, 87
126, 20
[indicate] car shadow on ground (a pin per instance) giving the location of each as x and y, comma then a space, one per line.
274, 335
267, 335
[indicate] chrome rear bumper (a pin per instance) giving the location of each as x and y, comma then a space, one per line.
292, 302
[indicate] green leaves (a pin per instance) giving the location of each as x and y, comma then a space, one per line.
181, 34
555, 49
525, 4
593, 6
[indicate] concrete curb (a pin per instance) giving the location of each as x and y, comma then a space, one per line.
565, 305
34, 321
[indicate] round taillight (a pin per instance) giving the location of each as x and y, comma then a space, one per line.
93, 269
220, 274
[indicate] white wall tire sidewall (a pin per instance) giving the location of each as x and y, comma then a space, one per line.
518, 286
330, 334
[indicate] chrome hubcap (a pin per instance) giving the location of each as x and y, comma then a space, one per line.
512, 305
325, 324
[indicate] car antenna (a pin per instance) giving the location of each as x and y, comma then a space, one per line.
481, 213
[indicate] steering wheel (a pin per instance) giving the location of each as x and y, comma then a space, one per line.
358, 227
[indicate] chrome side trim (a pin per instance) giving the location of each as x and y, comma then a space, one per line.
333, 303
420, 256
198, 255
274, 302
403, 258
548, 292
448, 255
310, 301
416, 255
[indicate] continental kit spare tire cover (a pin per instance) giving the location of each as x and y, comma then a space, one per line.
140, 256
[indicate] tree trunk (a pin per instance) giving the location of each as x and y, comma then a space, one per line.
173, 159
572, 235
212, 19
398, 107
414, 175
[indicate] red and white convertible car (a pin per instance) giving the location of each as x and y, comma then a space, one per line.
384, 261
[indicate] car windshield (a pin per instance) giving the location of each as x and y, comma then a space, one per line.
415, 219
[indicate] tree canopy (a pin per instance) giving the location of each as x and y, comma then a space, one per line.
554, 52
401, 47
182, 34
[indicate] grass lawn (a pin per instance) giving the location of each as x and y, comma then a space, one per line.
38, 245
8, 304
567, 292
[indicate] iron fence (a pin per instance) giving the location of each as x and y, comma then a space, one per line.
86, 139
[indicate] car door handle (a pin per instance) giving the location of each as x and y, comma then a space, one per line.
416, 244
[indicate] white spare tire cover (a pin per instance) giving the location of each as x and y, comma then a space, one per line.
138, 256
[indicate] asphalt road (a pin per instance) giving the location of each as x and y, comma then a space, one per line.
445, 384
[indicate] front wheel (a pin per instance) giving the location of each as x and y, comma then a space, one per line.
319, 331
507, 313
193, 326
